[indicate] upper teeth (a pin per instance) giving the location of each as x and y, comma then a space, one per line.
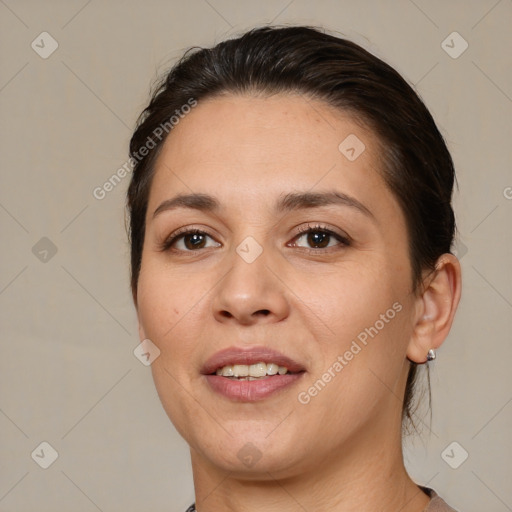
253, 370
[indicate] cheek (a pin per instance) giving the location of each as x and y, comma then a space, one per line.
158, 307
167, 308
361, 327
164, 297
159, 310
347, 300
172, 307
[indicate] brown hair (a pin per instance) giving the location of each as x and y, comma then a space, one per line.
417, 166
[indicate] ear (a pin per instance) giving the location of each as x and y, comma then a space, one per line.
435, 308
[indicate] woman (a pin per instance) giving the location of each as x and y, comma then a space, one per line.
291, 224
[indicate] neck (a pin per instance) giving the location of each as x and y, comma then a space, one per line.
340, 483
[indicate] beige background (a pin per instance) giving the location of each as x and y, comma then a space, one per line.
68, 375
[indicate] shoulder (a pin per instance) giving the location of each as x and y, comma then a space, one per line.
436, 504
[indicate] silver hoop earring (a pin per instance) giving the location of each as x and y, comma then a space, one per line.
431, 355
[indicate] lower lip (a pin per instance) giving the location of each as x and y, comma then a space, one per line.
251, 390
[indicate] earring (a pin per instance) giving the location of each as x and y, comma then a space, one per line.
431, 355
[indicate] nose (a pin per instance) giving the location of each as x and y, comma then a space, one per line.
251, 293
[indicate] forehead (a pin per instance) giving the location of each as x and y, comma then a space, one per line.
242, 146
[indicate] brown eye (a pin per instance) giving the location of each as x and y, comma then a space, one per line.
189, 241
318, 239
194, 241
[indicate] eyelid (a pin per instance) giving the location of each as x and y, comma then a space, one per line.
343, 236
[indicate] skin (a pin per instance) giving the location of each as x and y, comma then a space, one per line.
342, 450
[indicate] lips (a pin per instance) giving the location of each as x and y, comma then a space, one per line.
248, 356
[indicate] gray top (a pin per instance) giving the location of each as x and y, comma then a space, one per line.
436, 503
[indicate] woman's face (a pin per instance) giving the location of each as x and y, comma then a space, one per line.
337, 301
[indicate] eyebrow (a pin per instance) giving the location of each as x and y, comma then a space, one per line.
202, 202
301, 200
289, 202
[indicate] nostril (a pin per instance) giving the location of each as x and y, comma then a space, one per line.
260, 312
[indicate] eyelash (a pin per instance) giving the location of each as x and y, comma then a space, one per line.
344, 240
318, 228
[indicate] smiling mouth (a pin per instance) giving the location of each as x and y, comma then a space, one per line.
248, 383
257, 371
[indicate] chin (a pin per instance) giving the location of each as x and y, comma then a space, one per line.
247, 450
251, 463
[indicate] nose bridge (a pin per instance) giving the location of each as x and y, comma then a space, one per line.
250, 290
